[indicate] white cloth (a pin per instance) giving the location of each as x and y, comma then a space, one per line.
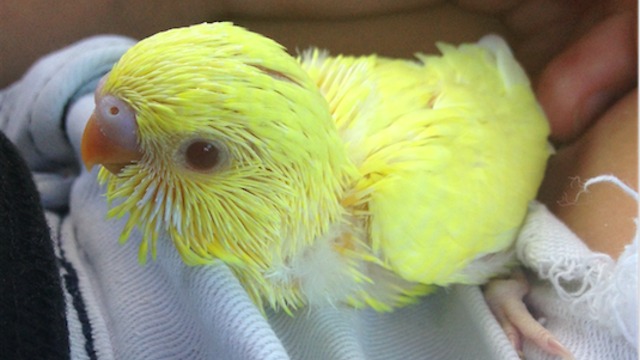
586, 299
119, 309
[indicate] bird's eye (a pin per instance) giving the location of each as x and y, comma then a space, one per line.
203, 155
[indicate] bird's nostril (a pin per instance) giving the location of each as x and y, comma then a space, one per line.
117, 120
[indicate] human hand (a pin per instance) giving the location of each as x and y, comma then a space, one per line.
589, 92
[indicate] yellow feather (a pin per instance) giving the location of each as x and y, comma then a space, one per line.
364, 180
450, 154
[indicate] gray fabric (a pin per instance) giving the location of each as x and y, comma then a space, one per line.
166, 310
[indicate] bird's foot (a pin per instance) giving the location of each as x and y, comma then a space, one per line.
505, 299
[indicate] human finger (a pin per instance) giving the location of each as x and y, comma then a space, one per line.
589, 76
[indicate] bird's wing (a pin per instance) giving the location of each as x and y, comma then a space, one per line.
450, 150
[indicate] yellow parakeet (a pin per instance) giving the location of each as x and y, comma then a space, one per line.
320, 179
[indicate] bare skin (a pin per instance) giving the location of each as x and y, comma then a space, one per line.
602, 139
581, 55
608, 147
505, 298
602, 217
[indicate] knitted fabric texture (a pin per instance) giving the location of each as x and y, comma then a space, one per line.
32, 310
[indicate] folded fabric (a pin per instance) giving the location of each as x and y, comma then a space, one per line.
119, 309
586, 299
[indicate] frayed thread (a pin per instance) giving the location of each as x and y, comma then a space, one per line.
605, 288
601, 289
593, 285
611, 179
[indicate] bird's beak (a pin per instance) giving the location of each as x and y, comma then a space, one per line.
98, 148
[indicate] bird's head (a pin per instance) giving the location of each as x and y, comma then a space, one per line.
216, 136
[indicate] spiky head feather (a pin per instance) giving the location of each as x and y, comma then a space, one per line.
336, 176
283, 169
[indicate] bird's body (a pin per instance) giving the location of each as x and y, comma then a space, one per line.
364, 180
